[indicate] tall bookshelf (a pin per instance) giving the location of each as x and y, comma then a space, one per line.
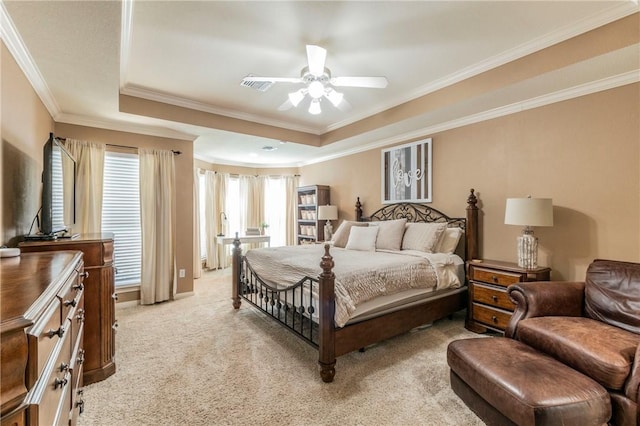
309, 228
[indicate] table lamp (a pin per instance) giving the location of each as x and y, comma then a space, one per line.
528, 212
223, 223
328, 213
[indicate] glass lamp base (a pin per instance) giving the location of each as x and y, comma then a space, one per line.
527, 251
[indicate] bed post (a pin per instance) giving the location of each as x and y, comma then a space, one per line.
235, 272
358, 210
326, 343
472, 227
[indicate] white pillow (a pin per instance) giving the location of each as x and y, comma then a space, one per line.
422, 236
362, 238
341, 236
449, 240
390, 233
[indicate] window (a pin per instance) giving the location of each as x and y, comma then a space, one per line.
121, 214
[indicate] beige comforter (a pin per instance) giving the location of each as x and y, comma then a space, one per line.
360, 275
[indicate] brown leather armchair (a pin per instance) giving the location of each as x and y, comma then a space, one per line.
591, 326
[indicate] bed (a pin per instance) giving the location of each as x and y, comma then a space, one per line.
322, 306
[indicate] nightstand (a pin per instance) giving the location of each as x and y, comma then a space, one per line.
489, 305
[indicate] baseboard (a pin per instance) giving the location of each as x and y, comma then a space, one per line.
128, 304
183, 295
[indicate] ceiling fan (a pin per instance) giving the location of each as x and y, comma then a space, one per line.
318, 83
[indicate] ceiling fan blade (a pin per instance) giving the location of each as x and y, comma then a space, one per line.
373, 82
316, 57
253, 78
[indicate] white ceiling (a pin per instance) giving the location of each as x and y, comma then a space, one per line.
81, 55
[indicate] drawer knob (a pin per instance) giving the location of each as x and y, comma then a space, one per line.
495, 298
59, 332
72, 303
80, 358
494, 319
78, 287
494, 278
64, 367
80, 405
85, 274
80, 315
115, 325
58, 383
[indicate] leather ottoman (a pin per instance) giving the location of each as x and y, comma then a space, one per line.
506, 382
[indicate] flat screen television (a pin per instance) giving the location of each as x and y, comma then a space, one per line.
58, 213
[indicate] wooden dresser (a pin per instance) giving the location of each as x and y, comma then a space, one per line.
489, 305
99, 299
42, 326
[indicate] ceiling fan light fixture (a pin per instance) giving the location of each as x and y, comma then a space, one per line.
316, 89
334, 97
296, 97
314, 107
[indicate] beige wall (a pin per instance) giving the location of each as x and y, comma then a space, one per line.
240, 170
184, 184
25, 127
584, 153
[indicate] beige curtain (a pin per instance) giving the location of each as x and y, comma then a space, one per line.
157, 214
197, 254
292, 183
89, 177
252, 203
215, 222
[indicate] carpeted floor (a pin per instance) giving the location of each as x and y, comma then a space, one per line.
197, 361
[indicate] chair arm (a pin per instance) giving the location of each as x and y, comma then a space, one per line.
632, 389
544, 298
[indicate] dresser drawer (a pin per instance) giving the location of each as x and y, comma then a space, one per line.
70, 295
492, 317
494, 296
492, 276
43, 336
50, 401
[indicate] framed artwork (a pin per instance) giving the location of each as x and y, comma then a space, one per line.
406, 173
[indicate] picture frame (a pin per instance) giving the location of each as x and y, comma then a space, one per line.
406, 173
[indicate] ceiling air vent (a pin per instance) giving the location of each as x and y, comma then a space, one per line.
261, 86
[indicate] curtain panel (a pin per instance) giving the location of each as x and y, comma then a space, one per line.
157, 208
89, 183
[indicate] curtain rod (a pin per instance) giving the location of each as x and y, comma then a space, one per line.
176, 152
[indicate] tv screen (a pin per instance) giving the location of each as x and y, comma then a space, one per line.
58, 188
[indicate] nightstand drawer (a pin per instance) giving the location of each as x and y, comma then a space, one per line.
492, 276
493, 296
490, 316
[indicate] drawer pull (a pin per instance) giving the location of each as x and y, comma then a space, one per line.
494, 298
59, 332
60, 382
80, 315
78, 287
80, 358
85, 274
494, 278
80, 402
115, 325
114, 296
72, 303
64, 367
494, 319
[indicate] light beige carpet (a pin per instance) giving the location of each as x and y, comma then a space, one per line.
197, 361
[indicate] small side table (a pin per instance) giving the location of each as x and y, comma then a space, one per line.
489, 305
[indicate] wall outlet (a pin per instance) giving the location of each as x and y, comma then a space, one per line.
181, 273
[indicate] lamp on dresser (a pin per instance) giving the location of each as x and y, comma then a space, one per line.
328, 213
528, 212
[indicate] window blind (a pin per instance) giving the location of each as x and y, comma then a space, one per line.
121, 214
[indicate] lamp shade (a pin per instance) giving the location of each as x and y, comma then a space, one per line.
529, 212
327, 212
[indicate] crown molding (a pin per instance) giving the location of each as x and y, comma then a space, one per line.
152, 95
17, 48
141, 129
536, 102
614, 13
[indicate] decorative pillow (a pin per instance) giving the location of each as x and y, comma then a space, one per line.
449, 240
390, 233
422, 236
341, 236
362, 238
